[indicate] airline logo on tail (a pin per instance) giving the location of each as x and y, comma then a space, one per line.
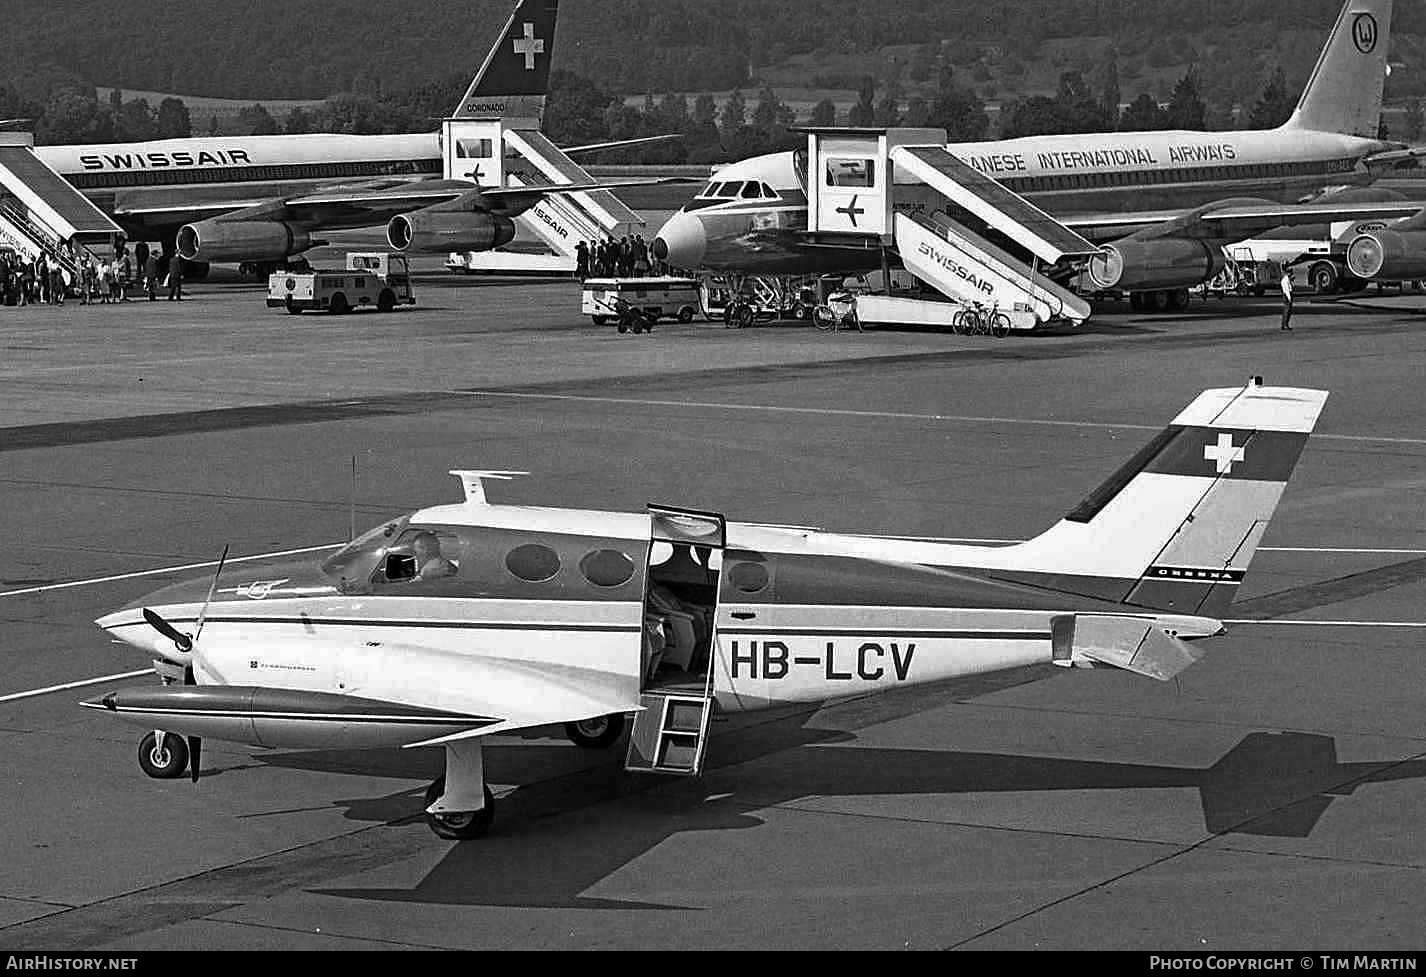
1364, 33
515, 76
529, 47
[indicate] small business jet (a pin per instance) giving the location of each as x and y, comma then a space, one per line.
452, 624
1162, 203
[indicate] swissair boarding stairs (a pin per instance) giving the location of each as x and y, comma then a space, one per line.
39, 210
903, 185
528, 158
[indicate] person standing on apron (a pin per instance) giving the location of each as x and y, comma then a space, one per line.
1286, 299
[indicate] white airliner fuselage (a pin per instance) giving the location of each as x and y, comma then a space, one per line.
752, 216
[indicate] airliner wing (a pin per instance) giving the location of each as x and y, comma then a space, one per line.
1394, 157
620, 143
352, 205
417, 195
1236, 220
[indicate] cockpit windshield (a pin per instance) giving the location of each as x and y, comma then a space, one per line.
354, 565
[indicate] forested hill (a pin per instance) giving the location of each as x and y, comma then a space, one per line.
271, 49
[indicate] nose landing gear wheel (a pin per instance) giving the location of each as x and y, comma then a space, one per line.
459, 825
163, 763
596, 733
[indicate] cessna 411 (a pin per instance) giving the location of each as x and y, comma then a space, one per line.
452, 624
1163, 203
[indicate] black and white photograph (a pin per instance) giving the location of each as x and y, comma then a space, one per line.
661, 475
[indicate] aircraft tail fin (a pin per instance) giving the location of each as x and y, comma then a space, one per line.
1345, 90
515, 77
1176, 527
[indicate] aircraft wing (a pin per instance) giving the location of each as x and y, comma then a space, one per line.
509, 694
347, 205
414, 196
1236, 220
620, 143
1394, 157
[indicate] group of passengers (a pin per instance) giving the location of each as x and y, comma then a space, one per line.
624, 258
72, 270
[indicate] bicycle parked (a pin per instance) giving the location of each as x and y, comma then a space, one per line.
976, 320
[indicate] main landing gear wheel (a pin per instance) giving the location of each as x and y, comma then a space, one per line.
596, 733
463, 825
163, 763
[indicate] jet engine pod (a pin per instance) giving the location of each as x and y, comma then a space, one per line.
444, 231
220, 240
1388, 255
1171, 262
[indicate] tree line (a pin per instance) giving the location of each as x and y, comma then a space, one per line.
296, 49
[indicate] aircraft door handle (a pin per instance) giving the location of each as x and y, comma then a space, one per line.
743, 615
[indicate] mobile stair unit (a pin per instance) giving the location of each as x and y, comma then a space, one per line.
40, 210
903, 191
493, 153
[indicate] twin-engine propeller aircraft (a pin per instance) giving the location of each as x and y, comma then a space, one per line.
452, 624
1163, 204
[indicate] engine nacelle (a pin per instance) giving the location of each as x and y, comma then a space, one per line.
220, 240
1172, 262
444, 231
1388, 255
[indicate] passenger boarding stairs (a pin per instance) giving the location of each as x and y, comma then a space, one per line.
935, 212
30, 241
40, 211
528, 158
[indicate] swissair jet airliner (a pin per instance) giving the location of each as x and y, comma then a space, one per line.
1168, 200
260, 199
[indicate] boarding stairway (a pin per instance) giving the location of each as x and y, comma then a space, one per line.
528, 159
936, 213
40, 212
30, 241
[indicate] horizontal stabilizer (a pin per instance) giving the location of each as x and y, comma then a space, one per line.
1135, 644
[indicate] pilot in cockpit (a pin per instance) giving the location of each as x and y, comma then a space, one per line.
431, 565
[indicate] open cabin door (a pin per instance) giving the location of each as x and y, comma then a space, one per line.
680, 606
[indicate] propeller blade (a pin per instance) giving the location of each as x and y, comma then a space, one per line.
195, 755
212, 589
183, 642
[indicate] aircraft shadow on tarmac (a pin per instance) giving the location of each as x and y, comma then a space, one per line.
561, 837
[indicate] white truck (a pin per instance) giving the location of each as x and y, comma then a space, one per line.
375, 279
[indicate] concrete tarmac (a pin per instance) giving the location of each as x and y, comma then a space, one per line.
1265, 800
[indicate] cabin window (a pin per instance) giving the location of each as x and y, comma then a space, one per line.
474, 149
533, 563
420, 554
851, 172
607, 568
749, 578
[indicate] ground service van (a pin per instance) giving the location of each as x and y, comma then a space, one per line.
375, 279
662, 298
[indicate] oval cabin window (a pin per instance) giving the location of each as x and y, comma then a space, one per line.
749, 578
607, 568
534, 563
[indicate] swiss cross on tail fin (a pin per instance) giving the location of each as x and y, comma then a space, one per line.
1175, 528
515, 76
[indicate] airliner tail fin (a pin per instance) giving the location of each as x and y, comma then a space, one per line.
1344, 93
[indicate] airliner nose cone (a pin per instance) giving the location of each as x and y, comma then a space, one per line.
681, 242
